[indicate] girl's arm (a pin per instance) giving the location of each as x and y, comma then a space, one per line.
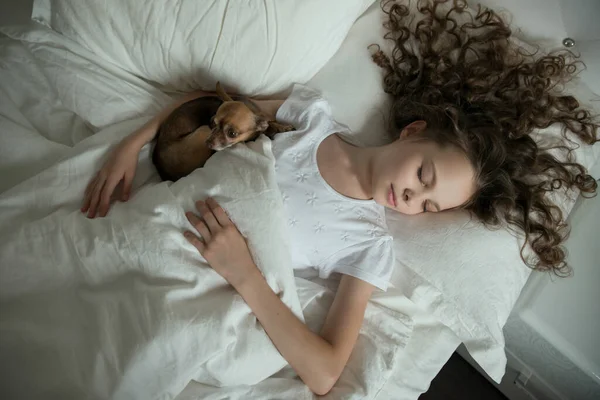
122, 162
147, 132
269, 107
318, 360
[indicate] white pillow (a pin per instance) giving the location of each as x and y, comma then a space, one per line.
469, 277
252, 47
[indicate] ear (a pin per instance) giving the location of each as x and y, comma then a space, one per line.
413, 128
277, 127
221, 93
261, 124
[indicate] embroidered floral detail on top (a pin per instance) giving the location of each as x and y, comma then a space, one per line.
311, 198
318, 227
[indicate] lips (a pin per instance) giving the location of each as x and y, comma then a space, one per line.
392, 197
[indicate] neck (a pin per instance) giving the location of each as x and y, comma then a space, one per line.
360, 164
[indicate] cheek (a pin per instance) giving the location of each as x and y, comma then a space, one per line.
396, 172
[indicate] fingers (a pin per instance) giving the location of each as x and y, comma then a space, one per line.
95, 197
127, 181
87, 197
195, 241
106, 194
212, 221
218, 212
199, 225
208, 216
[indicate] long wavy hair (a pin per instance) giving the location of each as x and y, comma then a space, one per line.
460, 71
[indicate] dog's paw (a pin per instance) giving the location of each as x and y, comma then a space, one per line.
277, 127
287, 128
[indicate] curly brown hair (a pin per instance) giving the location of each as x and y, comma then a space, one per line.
460, 71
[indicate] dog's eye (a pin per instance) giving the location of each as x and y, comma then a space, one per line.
232, 134
212, 123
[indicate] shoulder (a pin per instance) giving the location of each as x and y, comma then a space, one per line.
371, 261
303, 103
305, 93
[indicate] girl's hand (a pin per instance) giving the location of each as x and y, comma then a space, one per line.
120, 166
221, 245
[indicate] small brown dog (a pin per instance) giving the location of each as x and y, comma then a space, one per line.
198, 128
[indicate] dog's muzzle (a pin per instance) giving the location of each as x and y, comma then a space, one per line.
216, 142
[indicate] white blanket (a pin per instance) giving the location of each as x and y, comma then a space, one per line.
124, 299
124, 307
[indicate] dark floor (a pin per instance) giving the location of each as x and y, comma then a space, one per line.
458, 380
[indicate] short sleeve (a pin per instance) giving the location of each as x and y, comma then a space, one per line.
305, 108
371, 261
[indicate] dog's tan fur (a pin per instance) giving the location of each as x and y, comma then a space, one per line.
198, 128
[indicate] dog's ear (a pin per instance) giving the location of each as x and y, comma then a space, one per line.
221, 93
261, 124
277, 127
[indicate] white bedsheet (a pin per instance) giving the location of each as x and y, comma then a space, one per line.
123, 307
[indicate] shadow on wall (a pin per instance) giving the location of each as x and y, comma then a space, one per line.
15, 11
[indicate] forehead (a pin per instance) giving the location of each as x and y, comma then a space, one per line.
237, 115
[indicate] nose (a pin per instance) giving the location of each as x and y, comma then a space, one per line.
413, 195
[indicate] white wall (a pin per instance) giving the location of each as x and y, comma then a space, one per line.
580, 19
554, 329
548, 22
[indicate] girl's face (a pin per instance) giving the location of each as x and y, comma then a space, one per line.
415, 176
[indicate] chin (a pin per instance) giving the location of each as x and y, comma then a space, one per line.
381, 199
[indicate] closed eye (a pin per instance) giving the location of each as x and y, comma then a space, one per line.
420, 176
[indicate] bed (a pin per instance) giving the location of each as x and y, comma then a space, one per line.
116, 309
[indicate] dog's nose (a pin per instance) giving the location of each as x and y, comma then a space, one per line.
210, 143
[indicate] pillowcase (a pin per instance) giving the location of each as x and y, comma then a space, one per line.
467, 276
252, 47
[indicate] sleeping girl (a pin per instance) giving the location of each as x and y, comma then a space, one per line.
465, 103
